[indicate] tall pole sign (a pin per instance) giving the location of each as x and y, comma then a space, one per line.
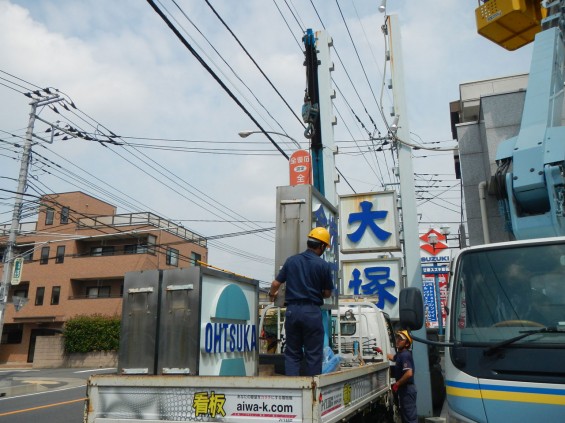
369, 223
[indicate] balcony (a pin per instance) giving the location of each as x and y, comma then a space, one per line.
142, 219
23, 228
104, 247
96, 289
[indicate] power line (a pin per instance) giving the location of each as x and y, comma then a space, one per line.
213, 74
254, 62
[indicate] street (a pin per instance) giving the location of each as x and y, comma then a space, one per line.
61, 402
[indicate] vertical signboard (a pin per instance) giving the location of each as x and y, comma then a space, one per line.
429, 287
369, 222
435, 257
301, 208
300, 168
17, 271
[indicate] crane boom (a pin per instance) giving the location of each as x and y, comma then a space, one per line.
530, 165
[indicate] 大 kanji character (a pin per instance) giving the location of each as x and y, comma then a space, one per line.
367, 218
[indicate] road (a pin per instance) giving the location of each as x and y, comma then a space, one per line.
61, 402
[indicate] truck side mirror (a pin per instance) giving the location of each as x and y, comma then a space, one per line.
411, 308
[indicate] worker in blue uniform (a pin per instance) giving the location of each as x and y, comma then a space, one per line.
404, 376
308, 281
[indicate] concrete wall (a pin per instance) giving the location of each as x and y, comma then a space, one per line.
50, 353
499, 119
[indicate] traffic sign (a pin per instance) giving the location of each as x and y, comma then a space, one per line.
17, 271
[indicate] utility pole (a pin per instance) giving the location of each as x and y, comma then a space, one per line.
412, 263
14, 226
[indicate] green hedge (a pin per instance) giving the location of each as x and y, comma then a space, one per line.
85, 334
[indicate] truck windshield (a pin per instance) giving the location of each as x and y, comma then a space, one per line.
500, 293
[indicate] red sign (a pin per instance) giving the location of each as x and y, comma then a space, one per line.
300, 168
434, 250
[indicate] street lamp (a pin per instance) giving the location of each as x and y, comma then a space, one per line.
245, 134
382, 7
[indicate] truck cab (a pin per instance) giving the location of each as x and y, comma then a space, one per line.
507, 332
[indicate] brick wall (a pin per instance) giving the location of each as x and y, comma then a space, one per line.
49, 353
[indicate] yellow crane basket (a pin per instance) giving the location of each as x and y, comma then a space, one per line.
509, 23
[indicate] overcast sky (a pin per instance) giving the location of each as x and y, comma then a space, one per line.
181, 156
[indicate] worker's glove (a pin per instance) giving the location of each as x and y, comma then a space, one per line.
394, 387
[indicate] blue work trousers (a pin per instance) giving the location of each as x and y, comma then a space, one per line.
304, 338
407, 401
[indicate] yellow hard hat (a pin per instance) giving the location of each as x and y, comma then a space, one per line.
321, 234
405, 334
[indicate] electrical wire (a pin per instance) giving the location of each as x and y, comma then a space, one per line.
212, 73
254, 62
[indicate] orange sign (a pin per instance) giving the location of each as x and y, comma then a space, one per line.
438, 246
300, 168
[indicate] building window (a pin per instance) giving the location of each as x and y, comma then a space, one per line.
39, 294
60, 254
172, 257
64, 215
195, 258
102, 251
49, 215
98, 292
144, 246
27, 254
44, 255
55, 295
134, 249
151, 241
20, 291
12, 333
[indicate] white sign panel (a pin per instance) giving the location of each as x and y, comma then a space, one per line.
374, 277
206, 404
228, 333
369, 222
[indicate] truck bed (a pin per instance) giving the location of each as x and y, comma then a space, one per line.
324, 398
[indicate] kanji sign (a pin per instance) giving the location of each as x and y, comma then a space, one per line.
17, 271
430, 297
369, 222
374, 277
300, 168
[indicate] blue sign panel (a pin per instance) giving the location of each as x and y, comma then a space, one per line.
430, 303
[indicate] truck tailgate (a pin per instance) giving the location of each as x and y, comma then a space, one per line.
324, 398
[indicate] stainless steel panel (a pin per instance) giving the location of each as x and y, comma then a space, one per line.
294, 221
139, 322
179, 326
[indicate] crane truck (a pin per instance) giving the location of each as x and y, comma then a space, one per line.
505, 332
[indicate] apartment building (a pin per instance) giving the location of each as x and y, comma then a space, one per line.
75, 258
